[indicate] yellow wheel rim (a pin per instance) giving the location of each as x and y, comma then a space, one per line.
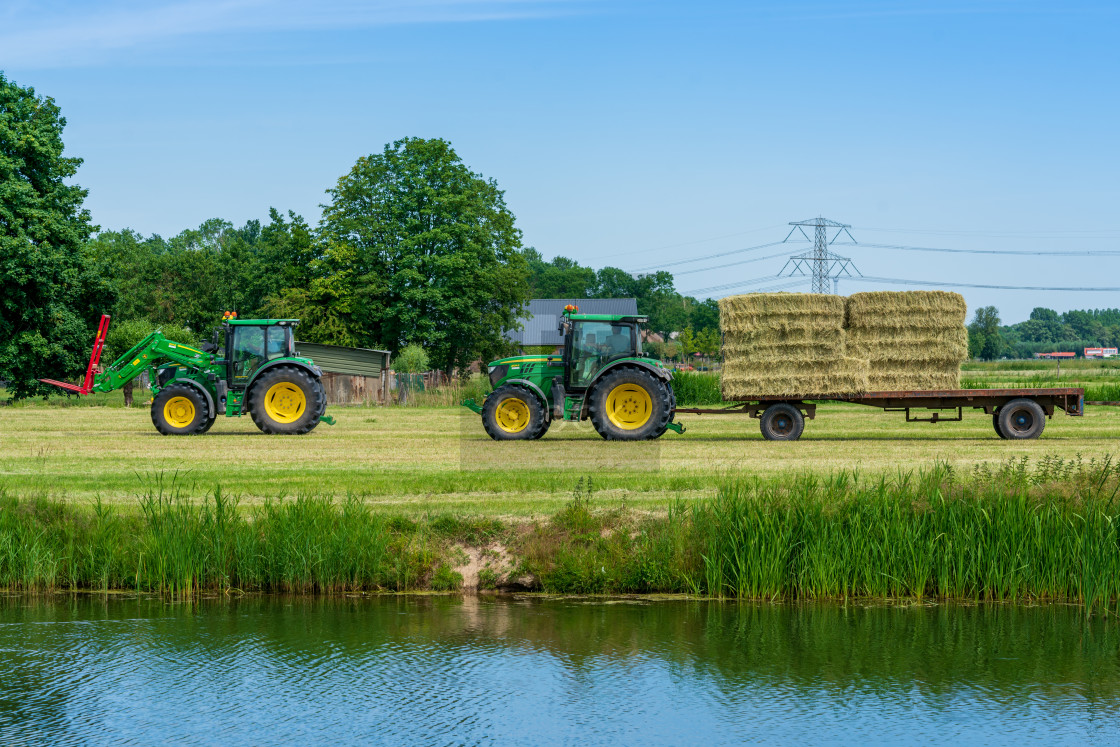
512, 415
629, 406
178, 412
285, 402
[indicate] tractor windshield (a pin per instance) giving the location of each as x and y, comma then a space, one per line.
596, 343
253, 346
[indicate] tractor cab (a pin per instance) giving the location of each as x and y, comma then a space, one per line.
251, 344
593, 341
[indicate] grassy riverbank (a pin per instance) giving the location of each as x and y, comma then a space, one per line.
1045, 532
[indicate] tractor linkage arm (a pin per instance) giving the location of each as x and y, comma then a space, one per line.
150, 353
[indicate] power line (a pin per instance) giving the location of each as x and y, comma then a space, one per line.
708, 256
740, 284
732, 264
690, 243
941, 284
1101, 233
1017, 252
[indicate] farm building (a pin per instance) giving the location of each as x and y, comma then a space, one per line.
351, 376
541, 322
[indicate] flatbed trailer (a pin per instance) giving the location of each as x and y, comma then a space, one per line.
1016, 413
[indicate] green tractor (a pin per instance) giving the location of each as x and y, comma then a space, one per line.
602, 376
255, 370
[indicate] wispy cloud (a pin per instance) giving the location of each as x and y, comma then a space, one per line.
63, 34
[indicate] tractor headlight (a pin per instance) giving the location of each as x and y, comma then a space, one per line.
497, 373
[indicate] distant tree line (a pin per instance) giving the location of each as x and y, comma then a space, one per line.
1045, 331
694, 323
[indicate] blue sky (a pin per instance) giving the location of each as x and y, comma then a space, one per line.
625, 133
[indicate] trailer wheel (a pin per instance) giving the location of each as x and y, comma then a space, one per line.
1022, 419
782, 422
995, 424
180, 410
286, 401
513, 413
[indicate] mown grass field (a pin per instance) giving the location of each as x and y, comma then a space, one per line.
419, 461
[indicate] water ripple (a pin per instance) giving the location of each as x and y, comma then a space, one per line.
447, 671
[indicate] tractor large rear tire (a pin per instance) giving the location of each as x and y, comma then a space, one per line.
286, 400
513, 413
180, 410
630, 404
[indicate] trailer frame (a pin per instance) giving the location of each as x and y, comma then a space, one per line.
1070, 400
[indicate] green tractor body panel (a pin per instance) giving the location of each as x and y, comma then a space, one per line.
594, 346
222, 374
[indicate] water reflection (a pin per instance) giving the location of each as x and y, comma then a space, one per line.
447, 670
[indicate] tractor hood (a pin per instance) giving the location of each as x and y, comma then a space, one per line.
520, 364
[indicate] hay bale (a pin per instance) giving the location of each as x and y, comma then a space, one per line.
786, 344
912, 339
797, 379
802, 344
905, 309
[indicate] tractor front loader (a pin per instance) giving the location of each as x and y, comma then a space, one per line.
601, 376
255, 370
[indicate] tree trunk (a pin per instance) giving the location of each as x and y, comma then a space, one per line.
128, 394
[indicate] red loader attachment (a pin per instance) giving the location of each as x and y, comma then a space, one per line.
94, 359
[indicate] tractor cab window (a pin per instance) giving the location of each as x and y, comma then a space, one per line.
248, 350
279, 342
596, 343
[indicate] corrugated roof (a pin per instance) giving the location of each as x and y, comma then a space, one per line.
540, 325
343, 360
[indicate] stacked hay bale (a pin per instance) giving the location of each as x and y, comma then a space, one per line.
911, 340
788, 345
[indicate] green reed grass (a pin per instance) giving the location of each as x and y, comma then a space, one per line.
182, 547
694, 388
1047, 532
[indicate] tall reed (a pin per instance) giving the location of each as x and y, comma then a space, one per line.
180, 547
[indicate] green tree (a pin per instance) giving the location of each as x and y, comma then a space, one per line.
688, 343
704, 314
708, 341
412, 359
50, 291
420, 248
560, 278
984, 340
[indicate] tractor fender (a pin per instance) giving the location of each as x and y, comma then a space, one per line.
534, 389
205, 392
313, 370
661, 373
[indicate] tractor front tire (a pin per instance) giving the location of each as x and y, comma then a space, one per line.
287, 401
180, 410
631, 404
513, 413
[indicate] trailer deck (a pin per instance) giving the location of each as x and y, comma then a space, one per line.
1016, 413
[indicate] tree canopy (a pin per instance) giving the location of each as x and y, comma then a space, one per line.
417, 248
49, 293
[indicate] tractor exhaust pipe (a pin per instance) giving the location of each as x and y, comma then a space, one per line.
94, 360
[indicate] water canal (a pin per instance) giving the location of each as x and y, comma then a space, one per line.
450, 670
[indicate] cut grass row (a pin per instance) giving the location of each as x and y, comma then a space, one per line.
422, 460
1016, 533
